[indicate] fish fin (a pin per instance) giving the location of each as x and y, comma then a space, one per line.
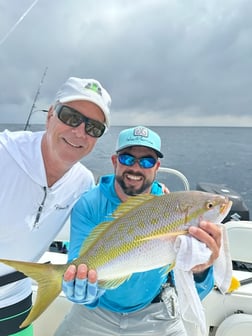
114, 283
170, 267
165, 236
49, 279
95, 233
131, 203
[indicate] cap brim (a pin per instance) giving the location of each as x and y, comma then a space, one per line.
159, 154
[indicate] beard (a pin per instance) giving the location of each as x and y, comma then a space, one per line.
132, 190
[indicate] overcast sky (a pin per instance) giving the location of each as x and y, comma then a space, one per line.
164, 62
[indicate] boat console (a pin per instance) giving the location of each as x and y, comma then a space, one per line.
239, 210
231, 314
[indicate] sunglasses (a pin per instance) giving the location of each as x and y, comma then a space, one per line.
130, 160
73, 118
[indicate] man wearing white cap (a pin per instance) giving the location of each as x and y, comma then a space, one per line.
41, 179
139, 306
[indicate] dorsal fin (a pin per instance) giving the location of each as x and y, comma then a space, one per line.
95, 233
131, 203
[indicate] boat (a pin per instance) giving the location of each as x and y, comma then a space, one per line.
231, 314
226, 315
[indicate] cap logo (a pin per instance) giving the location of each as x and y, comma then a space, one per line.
94, 87
141, 131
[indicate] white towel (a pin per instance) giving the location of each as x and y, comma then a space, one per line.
191, 252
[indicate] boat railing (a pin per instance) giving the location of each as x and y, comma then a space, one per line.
177, 173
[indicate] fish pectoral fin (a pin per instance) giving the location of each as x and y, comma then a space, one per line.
113, 283
172, 265
164, 236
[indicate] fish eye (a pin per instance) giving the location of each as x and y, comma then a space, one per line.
209, 205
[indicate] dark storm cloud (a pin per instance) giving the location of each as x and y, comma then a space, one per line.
185, 62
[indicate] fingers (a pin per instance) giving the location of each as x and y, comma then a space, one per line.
200, 268
165, 190
69, 275
92, 276
92, 290
213, 231
80, 273
80, 285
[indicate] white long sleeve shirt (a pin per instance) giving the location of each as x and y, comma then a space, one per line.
23, 187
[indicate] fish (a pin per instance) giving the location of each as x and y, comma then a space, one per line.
138, 236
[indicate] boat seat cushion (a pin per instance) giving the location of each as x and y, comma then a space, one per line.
240, 238
236, 324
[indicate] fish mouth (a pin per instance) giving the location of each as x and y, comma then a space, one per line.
225, 207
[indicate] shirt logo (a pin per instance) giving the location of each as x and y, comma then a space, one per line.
60, 207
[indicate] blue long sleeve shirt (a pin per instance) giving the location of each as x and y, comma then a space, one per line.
96, 207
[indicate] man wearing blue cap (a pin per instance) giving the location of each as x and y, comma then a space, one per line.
139, 306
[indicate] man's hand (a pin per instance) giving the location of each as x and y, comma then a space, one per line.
80, 286
165, 190
210, 234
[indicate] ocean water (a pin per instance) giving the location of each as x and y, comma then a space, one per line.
221, 155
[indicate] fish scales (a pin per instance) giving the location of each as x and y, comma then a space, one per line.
139, 237
124, 249
127, 232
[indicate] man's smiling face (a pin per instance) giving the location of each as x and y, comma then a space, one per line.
70, 144
134, 180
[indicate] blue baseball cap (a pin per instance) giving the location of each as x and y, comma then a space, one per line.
139, 136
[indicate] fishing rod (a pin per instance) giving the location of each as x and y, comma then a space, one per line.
35, 99
4, 38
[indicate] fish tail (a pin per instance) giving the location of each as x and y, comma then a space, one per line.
49, 280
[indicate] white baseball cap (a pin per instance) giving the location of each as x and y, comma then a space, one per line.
85, 89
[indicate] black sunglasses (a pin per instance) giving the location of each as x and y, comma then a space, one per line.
73, 118
130, 160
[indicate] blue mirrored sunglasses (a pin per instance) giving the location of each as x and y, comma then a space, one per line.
130, 160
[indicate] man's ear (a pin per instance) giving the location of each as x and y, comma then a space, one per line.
49, 114
114, 159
